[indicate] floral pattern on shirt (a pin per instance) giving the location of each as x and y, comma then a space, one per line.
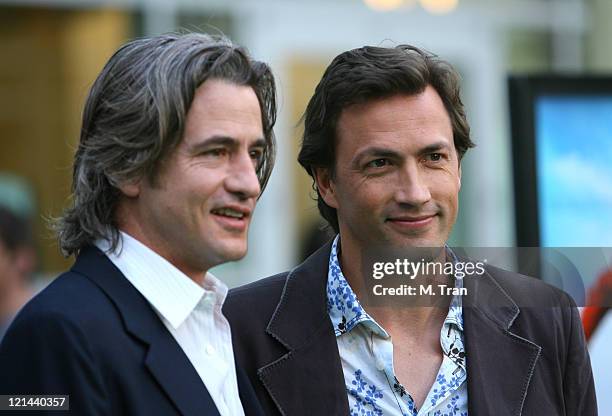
365, 396
366, 352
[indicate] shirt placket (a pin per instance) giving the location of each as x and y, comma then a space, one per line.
382, 352
213, 350
451, 374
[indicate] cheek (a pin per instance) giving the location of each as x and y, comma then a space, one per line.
446, 178
368, 202
209, 194
444, 188
200, 185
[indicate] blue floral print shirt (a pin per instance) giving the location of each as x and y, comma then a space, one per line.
366, 352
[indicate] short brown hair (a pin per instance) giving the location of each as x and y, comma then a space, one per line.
367, 73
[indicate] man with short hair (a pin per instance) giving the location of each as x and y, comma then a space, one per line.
176, 146
383, 140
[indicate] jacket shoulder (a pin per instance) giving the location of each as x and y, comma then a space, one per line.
266, 283
71, 304
528, 291
257, 299
70, 296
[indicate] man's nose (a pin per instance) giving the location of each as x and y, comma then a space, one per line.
412, 187
242, 178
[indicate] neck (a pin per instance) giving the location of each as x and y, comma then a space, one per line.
163, 250
420, 312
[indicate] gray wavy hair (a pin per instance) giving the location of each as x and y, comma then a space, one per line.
134, 118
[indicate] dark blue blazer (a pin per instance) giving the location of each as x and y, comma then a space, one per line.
90, 334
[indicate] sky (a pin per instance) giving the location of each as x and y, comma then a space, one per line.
574, 169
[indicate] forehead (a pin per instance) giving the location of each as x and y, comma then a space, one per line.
222, 108
406, 120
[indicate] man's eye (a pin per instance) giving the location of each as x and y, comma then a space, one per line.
257, 156
378, 163
218, 152
435, 157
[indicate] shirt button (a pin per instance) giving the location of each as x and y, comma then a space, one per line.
380, 365
210, 350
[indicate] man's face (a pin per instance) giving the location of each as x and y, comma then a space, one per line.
197, 212
397, 173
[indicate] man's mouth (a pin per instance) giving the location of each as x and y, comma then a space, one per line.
411, 222
229, 212
232, 218
412, 218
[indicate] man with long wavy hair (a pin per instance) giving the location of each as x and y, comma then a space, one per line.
175, 149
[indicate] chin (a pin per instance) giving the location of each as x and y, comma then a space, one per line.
234, 252
417, 242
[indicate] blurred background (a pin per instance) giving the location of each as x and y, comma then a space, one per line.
51, 51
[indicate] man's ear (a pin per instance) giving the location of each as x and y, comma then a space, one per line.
326, 187
131, 189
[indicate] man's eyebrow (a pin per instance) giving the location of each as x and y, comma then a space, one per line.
258, 143
441, 145
226, 141
213, 141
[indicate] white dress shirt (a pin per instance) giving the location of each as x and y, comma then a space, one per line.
192, 313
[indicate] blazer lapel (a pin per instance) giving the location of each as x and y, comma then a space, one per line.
309, 378
500, 364
174, 372
165, 359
